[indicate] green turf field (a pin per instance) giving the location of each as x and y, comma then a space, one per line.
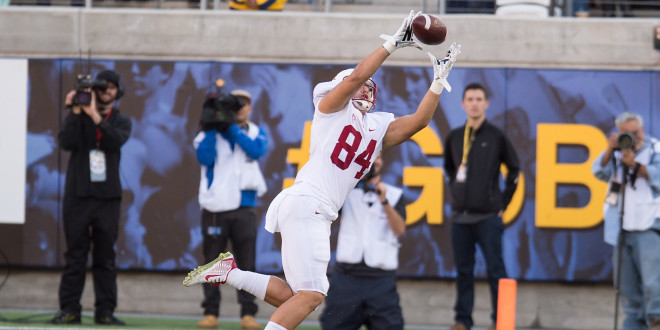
12, 320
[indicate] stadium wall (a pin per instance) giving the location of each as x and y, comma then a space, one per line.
313, 37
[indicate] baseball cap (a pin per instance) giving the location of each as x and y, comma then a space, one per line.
242, 93
109, 76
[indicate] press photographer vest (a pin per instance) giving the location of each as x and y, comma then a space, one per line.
233, 172
364, 232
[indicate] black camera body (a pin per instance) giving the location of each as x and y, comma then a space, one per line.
219, 111
364, 182
626, 140
85, 83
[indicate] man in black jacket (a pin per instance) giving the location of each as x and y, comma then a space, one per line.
473, 156
93, 132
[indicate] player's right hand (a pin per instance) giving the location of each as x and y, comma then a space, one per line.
403, 36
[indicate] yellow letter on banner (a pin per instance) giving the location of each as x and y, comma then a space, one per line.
515, 206
549, 173
430, 200
428, 141
299, 156
431, 179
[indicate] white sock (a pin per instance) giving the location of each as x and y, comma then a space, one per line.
273, 326
251, 282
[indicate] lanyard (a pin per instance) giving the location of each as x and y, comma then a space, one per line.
468, 138
98, 130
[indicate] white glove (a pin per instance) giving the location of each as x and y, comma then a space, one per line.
403, 36
442, 67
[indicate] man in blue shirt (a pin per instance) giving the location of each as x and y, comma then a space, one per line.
230, 183
631, 166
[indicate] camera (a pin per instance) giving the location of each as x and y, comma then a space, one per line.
364, 182
219, 111
626, 141
85, 83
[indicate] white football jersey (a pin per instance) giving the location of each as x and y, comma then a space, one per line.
342, 149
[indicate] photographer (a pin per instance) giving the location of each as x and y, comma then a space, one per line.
228, 148
363, 284
631, 166
93, 132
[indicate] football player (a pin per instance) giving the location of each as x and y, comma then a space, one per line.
346, 137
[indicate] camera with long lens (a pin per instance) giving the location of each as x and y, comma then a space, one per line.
85, 83
626, 140
219, 109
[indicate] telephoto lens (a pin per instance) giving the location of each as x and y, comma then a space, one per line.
626, 141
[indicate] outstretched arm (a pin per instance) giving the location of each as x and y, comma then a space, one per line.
344, 91
337, 98
402, 128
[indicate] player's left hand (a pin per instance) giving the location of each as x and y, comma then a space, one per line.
403, 36
442, 67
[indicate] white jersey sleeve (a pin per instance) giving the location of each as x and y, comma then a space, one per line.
343, 147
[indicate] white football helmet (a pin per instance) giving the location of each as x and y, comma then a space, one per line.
367, 101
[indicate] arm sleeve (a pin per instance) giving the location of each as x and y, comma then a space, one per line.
206, 151
400, 208
116, 134
603, 173
70, 132
510, 159
253, 148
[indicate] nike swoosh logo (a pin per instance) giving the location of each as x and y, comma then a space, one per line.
371, 130
209, 276
317, 212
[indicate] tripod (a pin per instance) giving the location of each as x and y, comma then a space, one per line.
619, 245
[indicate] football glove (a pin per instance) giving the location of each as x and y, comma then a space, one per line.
442, 67
403, 36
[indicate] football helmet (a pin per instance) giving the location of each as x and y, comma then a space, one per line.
367, 100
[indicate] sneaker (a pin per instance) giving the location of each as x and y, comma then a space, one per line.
458, 326
108, 320
66, 318
208, 322
215, 271
248, 322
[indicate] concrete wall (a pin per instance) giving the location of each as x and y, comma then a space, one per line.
313, 37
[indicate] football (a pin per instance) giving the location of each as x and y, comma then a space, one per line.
429, 29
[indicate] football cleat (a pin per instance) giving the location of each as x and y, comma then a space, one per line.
215, 272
